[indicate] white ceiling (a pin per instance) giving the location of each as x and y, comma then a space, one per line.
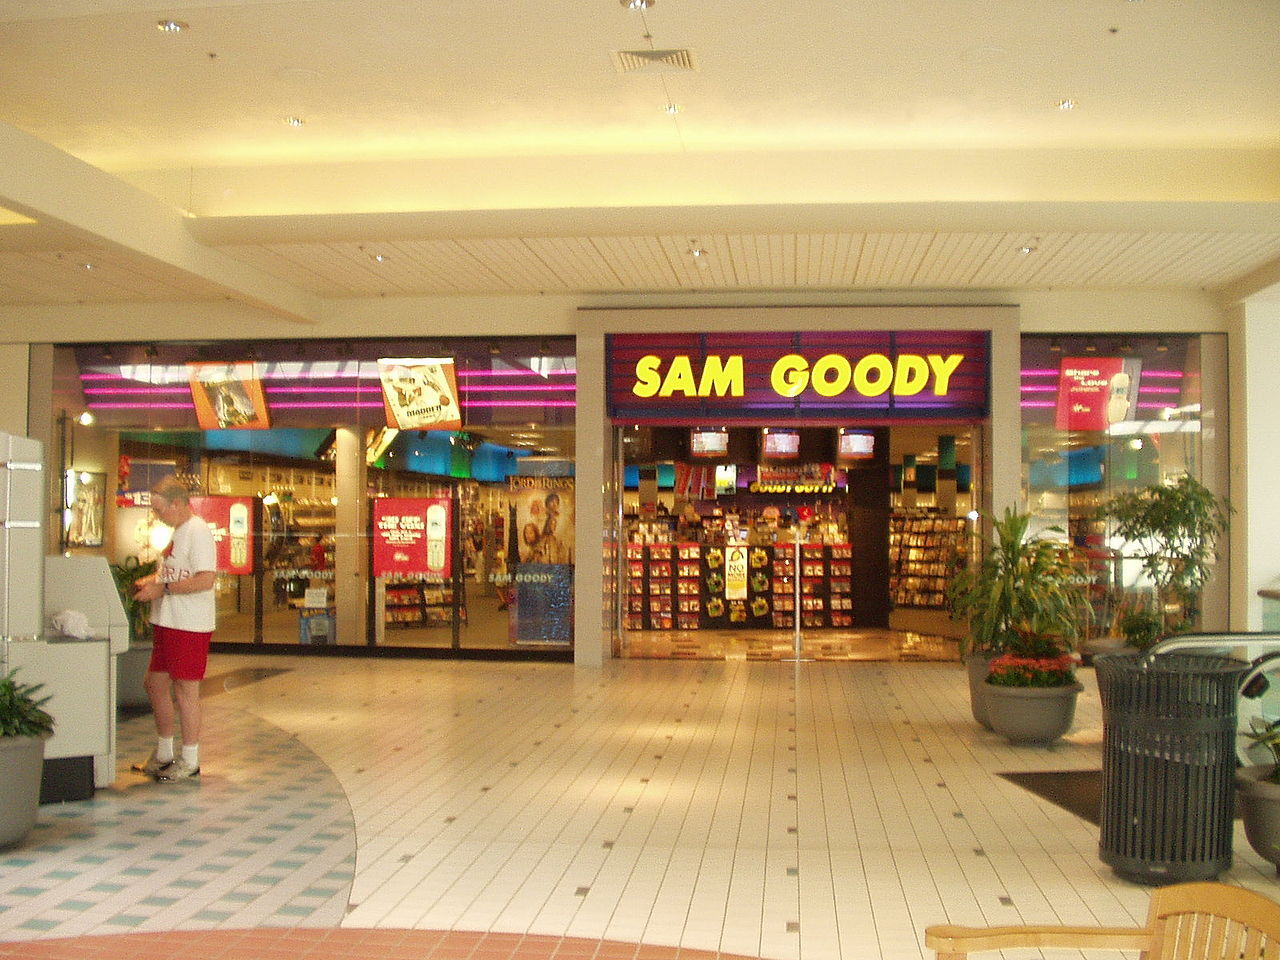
497, 147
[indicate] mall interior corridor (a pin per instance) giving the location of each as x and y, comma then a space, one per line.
650, 809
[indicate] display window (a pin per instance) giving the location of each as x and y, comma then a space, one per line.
402, 494
1106, 415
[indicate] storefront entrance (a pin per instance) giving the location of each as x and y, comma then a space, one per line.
712, 550
822, 532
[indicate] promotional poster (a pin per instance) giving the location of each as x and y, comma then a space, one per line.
1095, 392
541, 542
420, 394
229, 520
543, 518
411, 536
228, 396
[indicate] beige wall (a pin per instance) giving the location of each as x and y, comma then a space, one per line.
13, 388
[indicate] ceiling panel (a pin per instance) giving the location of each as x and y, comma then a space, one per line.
608, 264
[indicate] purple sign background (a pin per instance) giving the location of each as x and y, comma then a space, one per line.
966, 399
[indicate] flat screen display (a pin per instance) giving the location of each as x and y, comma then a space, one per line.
856, 445
780, 444
709, 443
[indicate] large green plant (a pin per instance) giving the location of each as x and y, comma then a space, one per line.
21, 711
1173, 529
1027, 595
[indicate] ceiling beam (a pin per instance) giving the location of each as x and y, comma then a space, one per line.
56, 189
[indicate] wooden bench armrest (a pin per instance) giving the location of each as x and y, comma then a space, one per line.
952, 941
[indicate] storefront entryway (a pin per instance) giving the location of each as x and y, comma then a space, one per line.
839, 547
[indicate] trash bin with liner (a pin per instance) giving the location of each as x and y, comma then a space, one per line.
1168, 765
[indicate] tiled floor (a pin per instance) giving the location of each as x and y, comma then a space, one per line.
767, 809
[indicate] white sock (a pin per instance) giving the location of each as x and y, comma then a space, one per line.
191, 754
164, 749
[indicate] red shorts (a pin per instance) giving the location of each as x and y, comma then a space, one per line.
183, 654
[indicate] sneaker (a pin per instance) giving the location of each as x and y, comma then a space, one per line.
153, 767
177, 770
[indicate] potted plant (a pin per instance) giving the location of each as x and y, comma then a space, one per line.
24, 727
1032, 689
1026, 595
1173, 529
1258, 790
132, 664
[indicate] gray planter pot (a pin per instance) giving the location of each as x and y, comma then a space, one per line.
21, 763
979, 665
1260, 810
1032, 714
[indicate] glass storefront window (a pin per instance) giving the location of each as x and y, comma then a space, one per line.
402, 493
1103, 415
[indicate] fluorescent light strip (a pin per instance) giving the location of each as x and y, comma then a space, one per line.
1167, 374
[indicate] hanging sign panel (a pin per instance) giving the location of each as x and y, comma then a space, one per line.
411, 536
420, 393
228, 396
778, 377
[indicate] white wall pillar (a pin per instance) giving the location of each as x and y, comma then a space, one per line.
591, 634
350, 554
1004, 445
14, 376
1254, 548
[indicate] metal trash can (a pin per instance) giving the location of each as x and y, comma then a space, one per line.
1168, 765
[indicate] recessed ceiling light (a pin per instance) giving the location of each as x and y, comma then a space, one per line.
672, 108
294, 121
637, 4
1067, 104
1026, 250
380, 257
87, 266
172, 26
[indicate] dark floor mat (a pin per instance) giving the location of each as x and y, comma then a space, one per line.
1076, 791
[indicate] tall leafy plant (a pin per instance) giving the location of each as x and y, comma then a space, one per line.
1173, 529
1027, 595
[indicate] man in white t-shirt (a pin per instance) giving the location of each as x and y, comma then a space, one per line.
182, 618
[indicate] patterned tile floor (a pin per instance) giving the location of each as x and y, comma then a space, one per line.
649, 809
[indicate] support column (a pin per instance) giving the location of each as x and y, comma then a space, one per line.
351, 548
1254, 547
591, 632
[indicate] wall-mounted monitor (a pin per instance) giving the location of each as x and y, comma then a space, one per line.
779, 444
707, 443
855, 445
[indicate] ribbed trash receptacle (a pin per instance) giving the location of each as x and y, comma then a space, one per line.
1168, 764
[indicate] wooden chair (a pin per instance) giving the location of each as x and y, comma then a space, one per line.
1187, 921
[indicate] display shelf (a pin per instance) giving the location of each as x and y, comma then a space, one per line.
926, 550
683, 586
419, 602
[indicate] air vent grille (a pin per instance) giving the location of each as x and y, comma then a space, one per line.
654, 61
